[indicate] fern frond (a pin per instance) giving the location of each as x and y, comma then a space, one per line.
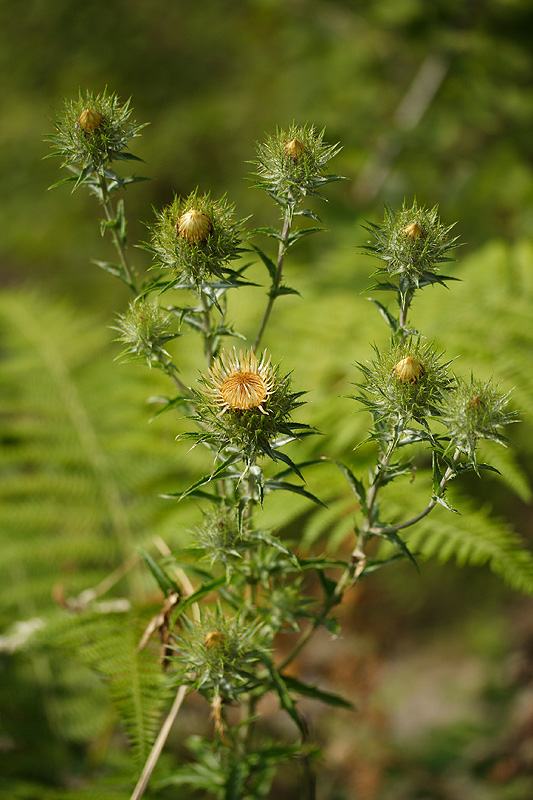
474, 538
81, 468
107, 643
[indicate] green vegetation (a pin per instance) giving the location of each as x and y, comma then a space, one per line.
423, 109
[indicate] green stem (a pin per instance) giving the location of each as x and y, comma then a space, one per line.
110, 215
206, 328
446, 478
356, 565
282, 249
404, 310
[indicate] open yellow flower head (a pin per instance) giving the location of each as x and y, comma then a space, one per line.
408, 370
90, 120
295, 149
241, 382
413, 231
194, 225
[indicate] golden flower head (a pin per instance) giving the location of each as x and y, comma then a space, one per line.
90, 120
241, 382
194, 225
295, 149
413, 231
213, 639
408, 370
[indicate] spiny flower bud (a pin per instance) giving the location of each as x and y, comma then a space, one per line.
294, 149
408, 370
195, 226
413, 231
213, 639
90, 120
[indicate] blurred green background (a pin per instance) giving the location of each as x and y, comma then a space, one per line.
429, 100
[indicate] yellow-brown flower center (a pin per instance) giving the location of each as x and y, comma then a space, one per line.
90, 120
295, 149
194, 225
413, 231
213, 639
243, 390
408, 370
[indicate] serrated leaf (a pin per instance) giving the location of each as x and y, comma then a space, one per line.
443, 502
273, 541
281, 290
113, 269
199, 594
307, 212
269, 264
165, 583
437, 473
272, 486
391, 321
309, 690
285, 699
294, 237
383, 287
355, 484
398, 542
259, 479
219, 472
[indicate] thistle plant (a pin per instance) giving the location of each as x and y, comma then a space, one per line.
227, 596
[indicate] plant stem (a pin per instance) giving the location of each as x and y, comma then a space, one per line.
111, 216
355, 567
404, 309
448, 475
206, 328
282, 249
159, 743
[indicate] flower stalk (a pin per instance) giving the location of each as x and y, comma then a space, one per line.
276, 283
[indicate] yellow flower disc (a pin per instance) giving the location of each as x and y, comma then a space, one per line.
241, 382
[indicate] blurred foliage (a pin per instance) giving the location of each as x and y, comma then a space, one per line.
428, 100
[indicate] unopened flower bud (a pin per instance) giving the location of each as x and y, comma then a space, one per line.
408, 370
195, 226
294, 149
413, 231
90, 120
213, 639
